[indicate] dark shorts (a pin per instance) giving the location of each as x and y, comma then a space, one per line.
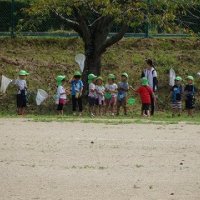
61, 104
60, 107
122, 102
190, 103
21, 100
145, 106
93, 101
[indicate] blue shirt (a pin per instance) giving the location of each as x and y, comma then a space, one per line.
122, 93
76, 86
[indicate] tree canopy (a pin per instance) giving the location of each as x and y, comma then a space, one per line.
93, 20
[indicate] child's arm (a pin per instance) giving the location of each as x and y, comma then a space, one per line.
72, 79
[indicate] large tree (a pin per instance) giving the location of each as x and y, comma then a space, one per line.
93, 20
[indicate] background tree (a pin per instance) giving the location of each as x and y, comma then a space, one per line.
93, 20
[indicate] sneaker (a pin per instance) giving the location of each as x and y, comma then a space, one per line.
74, 114
92, 115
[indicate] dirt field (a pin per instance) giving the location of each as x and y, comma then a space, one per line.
78, 161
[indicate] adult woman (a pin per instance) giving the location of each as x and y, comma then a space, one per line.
151, 75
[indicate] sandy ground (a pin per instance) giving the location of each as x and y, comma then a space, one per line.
72, 161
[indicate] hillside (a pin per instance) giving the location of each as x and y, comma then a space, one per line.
45, 58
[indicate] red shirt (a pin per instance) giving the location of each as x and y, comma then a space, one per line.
145, 94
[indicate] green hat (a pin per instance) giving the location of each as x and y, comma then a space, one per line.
190, 78
144, 81
178, 78
77, 73
125, 74
91, 77
111, 76
23, 73
59, 79
99, 78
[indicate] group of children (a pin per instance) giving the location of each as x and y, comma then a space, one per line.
110, 97
178, 92
101, 99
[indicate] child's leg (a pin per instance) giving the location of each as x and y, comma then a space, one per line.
23, 111
190, 112
106, 108
112, 108
148, 113
80, 105
74, 103
118, 106
125, 106
144, 113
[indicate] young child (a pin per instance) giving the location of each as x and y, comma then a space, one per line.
111, 94
61, 94
146, 93
176, 96
92, 96
100, 91
123, 88
190, 91
76, 92
22, 92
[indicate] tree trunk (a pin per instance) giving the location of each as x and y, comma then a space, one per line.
92, 62
92, 65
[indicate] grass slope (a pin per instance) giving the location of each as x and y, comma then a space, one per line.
46, 58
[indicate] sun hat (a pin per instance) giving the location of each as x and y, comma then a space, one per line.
59, 79
178, 78
99, 78
144, 81
23, 73
190, 78
77, 73
111, 76
125, 74
91, 77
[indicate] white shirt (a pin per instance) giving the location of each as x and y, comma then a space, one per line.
112, 89
92, 92
150, 74
100, 91
61, 92
21, 84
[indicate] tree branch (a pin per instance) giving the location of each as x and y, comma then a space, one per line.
112, 40
86, 34
73, 24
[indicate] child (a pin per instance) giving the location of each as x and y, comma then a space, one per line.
146, 94
176, 96
76, 92
123, 88
111, 94
22, 92
190, 91
100, 91
92, 96
61, 94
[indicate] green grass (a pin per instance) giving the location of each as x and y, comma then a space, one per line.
46, 58
160, 118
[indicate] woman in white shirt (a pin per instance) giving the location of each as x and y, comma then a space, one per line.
151, 74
